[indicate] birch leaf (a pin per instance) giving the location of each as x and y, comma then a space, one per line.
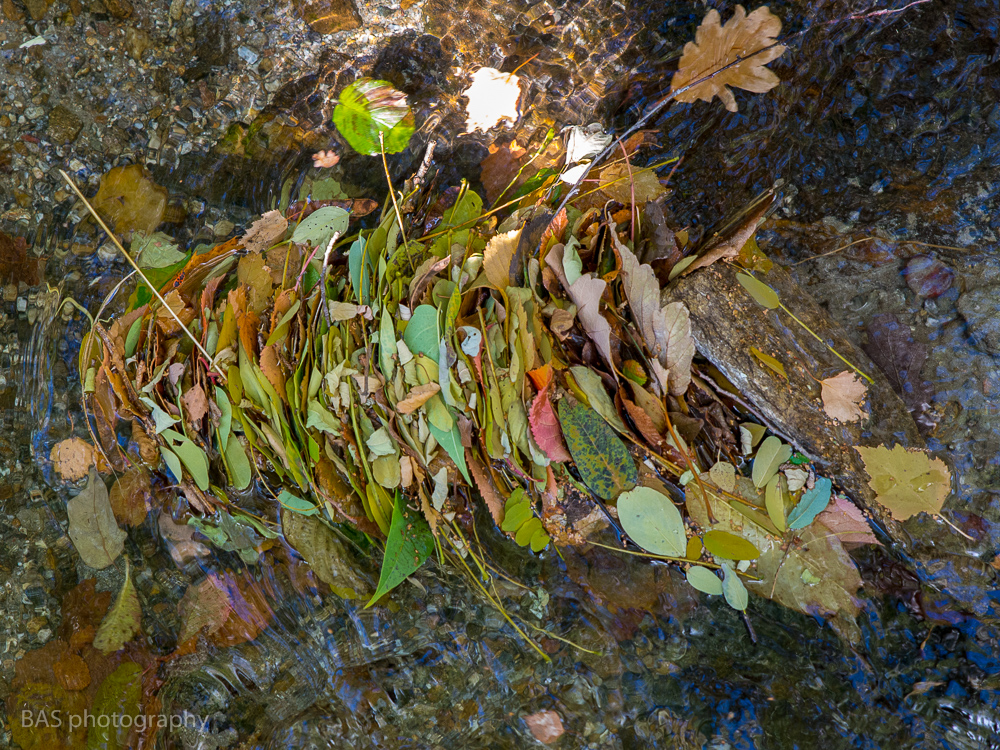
715, 46
122, 621
92, 526
497, 259
842, 397
907, 482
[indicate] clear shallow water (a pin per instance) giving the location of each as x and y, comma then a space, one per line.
884, 125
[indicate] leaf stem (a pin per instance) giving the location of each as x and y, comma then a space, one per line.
392, 194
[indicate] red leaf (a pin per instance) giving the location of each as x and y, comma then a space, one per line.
545, 428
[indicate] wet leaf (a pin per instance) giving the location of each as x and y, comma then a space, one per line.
734, 590
296, 504
811, 504
847, 522
716, 45
770, 362
771, 454
319, 227
761, 292
72, 458
729, 546
652, 521
131, 496
116, 698
842, 396
369, 108
630, 184
122, 621
545, 726
129, 200
492, 98
906, 481
704, 580
193, 457
264, 231
327, 554
205, 605
407, 547
602, 459
156, 250
92, 526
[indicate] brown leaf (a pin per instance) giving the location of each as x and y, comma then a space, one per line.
72, 672
263, 232
15, 263
166, 322
643, 422
417, 397
501, 168
72, 458
845, 519
148, 450
623, 181
92, 526
545, 427
131, 496
545, 726
195, 404
484, 483
715, 46
842, 396
180, 541
205, 605
254, 273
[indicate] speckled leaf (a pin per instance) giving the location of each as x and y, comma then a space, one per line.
408, 545
602, 459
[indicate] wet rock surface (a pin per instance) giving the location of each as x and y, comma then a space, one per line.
979, 309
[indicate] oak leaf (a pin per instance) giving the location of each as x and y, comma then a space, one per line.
842, 397
716, 46
906, 481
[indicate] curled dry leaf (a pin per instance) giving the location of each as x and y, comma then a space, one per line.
325, 159
72, 458
492, 97
263, 232
842, 397
417, 397
716, 46
195, 403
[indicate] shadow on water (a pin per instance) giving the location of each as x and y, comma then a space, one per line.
886, 126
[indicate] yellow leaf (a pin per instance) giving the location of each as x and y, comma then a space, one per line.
906, 481
716, 46
417, 397
497, 259
768, 361
842, 396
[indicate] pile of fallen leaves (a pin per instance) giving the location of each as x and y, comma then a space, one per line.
385, 378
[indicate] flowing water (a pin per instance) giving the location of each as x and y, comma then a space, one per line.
886, 126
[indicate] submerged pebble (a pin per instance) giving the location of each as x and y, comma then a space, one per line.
928, 277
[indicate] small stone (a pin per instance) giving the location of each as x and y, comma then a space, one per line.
223, 228
928, 277
35, 624
37, 9
22, 304
979, 308
137, 42
329, 16
119, 8
33, 113
64, 125
249, 54
11, 12
107, 252
10, 292
80, 249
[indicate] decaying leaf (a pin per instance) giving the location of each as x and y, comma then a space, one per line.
545, 726
122, 621
716, 46
131, 496
842, 396
845, 519
492, 97
326, 554
92, 526
263, 232
417, 397
205, 605
603, 460
72, 458
906, 481
631, 185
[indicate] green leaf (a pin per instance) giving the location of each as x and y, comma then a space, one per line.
704, 580
367, 108
770, 456
516, 515
539, 540
723, 474
572, 265
906, 481
407, 547
774, 501
132, 339
734, 590
761, 292
750, 435
422, 335
297, 504
239, 464
811, 505
173, 463
320, 226
158, 250
361, 278
451, 441
117, 697
193, 457
386, 344
593, 388
602, 459
527, 531
467, 209
122, 621
729, 546
652, 521
226, 418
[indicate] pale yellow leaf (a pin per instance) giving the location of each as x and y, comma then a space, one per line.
842, 397
122, 621
492, 97
630, 184
498, 256
906, 481
715, 46
263, 232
